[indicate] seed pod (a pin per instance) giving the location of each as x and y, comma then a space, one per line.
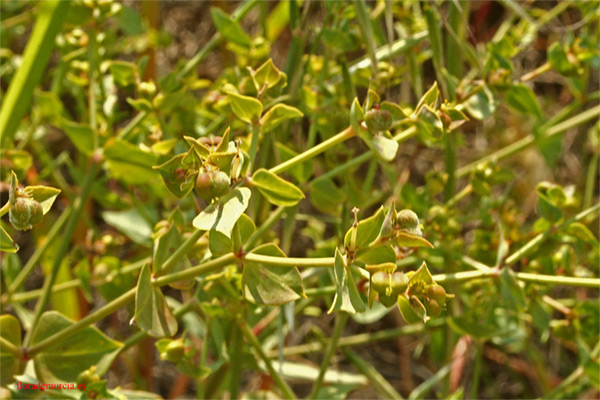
380, 281
437, 293
212, 184
378, 120
20, 214
399, 283
174, 351
407, 219
37, 213
433, 307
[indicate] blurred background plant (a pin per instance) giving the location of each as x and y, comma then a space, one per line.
495, 109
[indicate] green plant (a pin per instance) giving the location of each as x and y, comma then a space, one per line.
182, 197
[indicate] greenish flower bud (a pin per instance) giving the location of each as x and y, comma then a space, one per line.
399, 283
88, 376
24, 213
380, 282
212, 184
174, 351
378, 120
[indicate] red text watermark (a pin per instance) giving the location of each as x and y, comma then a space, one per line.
49, 386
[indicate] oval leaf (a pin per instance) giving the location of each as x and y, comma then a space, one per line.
223, 215
62, 362
247, 108
277, 190
152, 314
10, 330
277, 115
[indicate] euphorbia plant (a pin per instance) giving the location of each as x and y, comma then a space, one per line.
173, 189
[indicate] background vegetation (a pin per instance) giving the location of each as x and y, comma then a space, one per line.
481, 117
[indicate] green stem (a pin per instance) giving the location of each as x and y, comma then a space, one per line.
467, 190
190, 273
290, 261
457, 277
64, 245
92, 86
203, 356
360, 339
590, 181
340, 322
529, 140
180, 252
253, 146
33, 260
265, 227
375, 378
253, 340
75, 283
477, 372
5, 208
236, 370
11, 348
366, 156
313, 152
536, 241
126, 132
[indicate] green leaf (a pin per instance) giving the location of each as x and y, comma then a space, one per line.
482, 104
429, 98
378, 255
467, 325
16, 101
7, 243
64, 360
277, 190
81, 135
511, 292
397, 112
300, 172
130, 223
124, 73
129, 163
430, 124
140, 104
177, 178
266, 76
271, 284
199, 148
405, 239
10, 330
325, 195
247, 108
384, 147
246, 226
152, 313
45, 195
164, 246
557, 57
219, 244
229, 28
277, 115
347, 298
422, 277
366, 231
356, 117
223, 215
409, 314
521, 98
337, 40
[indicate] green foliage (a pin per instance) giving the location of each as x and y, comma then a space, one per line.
237, 177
